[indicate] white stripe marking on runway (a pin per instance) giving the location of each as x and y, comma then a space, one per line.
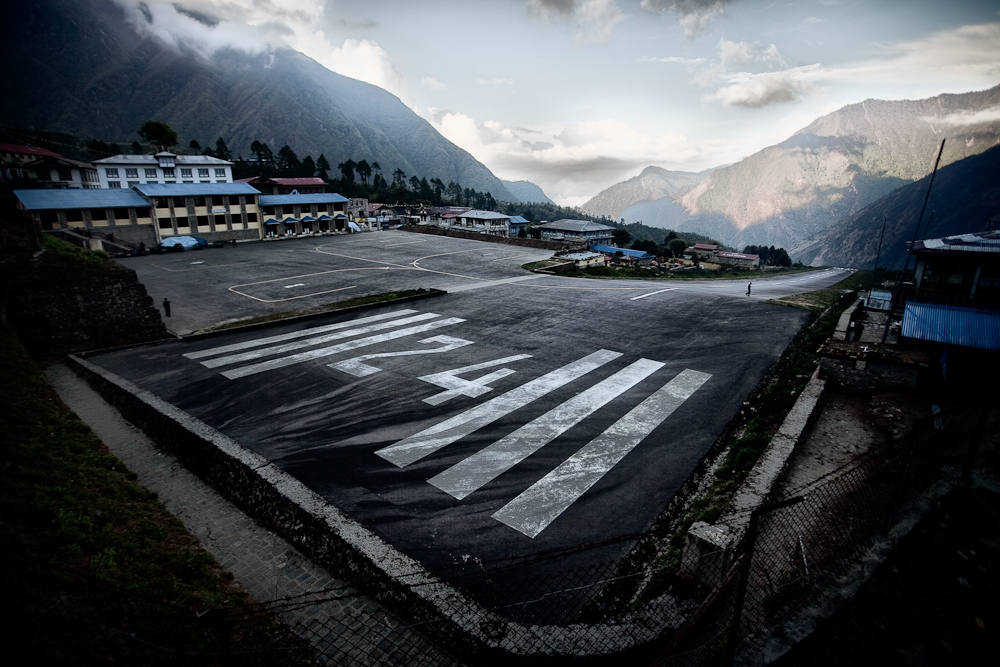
317, 340
431, 439
281, 362
473, 472
538, 506
643, 296
257, 342
358, 368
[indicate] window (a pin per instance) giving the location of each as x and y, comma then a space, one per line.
220, 173
203, 221
49, 218
218, 201
160, 202
131, 172
114, 184
65, 175
168, 172
186, 173
251, 217
150, 173
132, 184
199, 201
203, 173
74, 215
165, 223
98, 214
111, 172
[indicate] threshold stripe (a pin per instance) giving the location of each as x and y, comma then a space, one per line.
538, 506
431, 439
473, 472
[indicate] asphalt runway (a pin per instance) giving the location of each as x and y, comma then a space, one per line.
517, 416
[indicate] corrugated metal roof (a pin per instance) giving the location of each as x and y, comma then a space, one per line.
484, 215
194, 189
309, 198
48, 200
976, 242
968, 327
575, 226
27, 150
627, 252
737, 255
152, 160
518, 220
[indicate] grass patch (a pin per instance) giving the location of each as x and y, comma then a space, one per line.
61, 257
95, 570
356, 302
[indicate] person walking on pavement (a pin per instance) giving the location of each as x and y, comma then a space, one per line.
748, 287
166, 306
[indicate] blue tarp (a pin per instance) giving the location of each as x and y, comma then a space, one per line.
186, 242
354, 226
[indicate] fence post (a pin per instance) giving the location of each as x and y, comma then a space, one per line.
749, 541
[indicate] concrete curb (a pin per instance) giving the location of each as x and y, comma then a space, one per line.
710, 547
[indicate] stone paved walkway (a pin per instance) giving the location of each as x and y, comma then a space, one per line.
346, 627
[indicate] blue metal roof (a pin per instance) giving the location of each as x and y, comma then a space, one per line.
518, 220
310, 198
968, 327
43, 200
611, 250
194, 189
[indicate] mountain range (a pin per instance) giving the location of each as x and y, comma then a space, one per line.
78, 66
964, 197
789, 194
527, 192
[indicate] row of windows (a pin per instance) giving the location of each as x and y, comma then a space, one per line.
214, 200
168, 172
323, 209
117, 184
202, 221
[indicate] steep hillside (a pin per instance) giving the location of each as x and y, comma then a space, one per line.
652, 184
77, 66
788, 193
527, 192
965, 197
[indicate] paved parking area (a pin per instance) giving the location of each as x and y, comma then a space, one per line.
519, 415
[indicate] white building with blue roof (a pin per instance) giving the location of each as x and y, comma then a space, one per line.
127, 171
124, 213
309, 213
213, 211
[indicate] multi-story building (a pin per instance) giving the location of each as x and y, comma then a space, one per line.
123, 213
292, 215
39, 167
127, 171
583, 231
215, 211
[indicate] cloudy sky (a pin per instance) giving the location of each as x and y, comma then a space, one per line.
576, 95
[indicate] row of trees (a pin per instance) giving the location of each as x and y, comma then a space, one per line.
769, 255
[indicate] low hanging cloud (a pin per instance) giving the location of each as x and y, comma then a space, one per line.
760, 90
574, 162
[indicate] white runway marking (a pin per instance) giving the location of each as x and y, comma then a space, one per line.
295, 285
473, 472
492, 283
456, 386
358, 368
317, 340
532, 511
431, 439
643, 296
252, 369
257, 342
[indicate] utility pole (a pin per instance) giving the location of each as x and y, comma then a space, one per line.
909, 250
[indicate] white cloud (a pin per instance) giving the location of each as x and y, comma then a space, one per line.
748, 52
368, 61
431, 83
595, 20
956, 60
672, 59
962, 118
694, 15
574, 162
496, 81
760, 90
